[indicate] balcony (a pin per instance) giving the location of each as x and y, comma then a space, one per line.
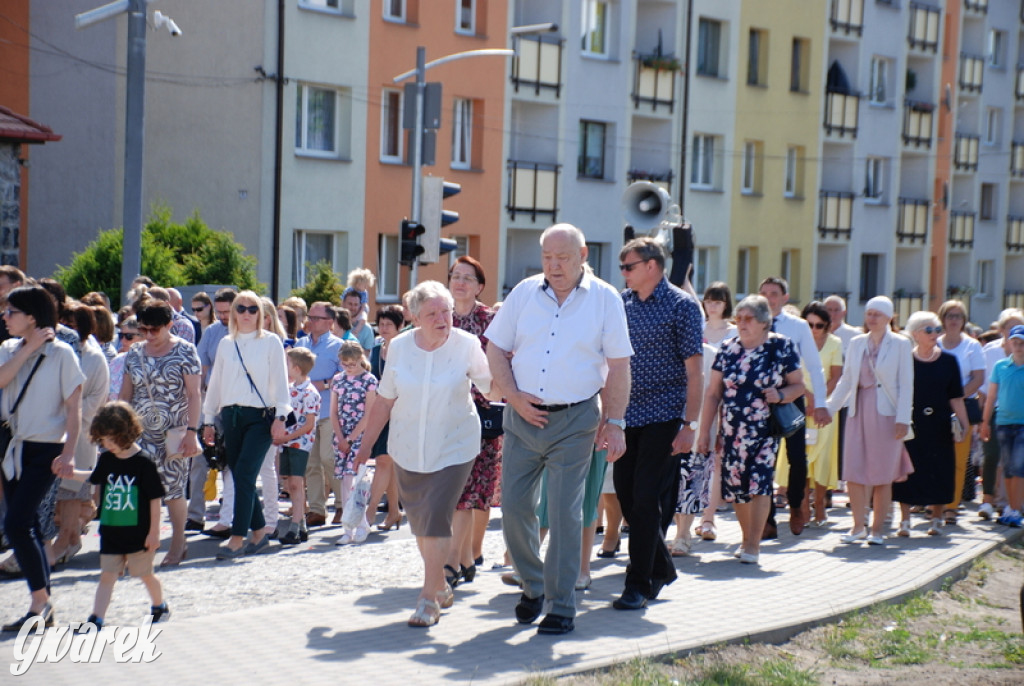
835, 214
972, 73
532, 189
979, 6
961, 229
1017, 159
847, 16
924, 27
1014, 234
906, 304
663, 179
965, 152
912, 224
1014, 299
654, 81
917, 123
841, 113
537, 64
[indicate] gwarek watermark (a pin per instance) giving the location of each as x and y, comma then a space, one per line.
82, 642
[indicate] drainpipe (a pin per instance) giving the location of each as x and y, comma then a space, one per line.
275, 269
686, 109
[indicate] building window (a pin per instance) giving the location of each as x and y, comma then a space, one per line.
794, 184
462, 134
461, 247
757, 58
595, 258
986, 278
465, 17
595, 27
308, 249
387, 267
997, 48
743, 263
752, 160
799, 73
391, 126
395, 10
317, 122
709, 45
879, 92
992, 120
590, 164
988, 201
320, 4
874, 180
705, 268
703, 167
789, 269
870, 273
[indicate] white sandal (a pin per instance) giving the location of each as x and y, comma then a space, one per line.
681, 547
427, 614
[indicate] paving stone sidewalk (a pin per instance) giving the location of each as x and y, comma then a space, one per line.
361, 636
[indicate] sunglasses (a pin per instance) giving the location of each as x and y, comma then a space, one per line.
630, 266
130, 336
198, 308
143, 330
818, 325
745, 318
932, 329
251, 309
10, 312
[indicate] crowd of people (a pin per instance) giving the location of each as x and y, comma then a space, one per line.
699, 404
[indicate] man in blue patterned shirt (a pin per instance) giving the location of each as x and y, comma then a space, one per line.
666, 328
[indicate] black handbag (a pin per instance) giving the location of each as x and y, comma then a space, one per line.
269, 413
786, 420
6, 434
973, 408
491, 420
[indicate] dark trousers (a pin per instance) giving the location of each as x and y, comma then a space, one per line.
796, 453
23, 497
841, 419
246, 442
643, 476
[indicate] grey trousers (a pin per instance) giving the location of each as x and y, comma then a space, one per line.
563, 448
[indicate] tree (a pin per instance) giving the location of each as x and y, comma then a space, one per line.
322, 284
172, 255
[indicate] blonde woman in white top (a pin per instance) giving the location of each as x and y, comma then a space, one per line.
249, 380
434, 432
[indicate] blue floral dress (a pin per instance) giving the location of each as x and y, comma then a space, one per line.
748, 450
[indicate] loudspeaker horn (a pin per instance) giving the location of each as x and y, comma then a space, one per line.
645, 206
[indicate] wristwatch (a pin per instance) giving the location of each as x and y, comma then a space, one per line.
621, 423
281, 418
692, 425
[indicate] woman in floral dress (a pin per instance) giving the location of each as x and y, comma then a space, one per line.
750, 372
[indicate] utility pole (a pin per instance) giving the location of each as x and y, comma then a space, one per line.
417, 151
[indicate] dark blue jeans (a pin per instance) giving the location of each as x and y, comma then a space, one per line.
246, 442
23, 497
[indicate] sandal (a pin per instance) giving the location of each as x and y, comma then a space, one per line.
451, 575
680, 547
446, 598
949, 516
427, 614
707, 531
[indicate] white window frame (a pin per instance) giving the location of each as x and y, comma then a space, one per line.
996, 48
705, 268
329, 6
743, 271
299, 248
390, 7
986, 278
874, 180
710, 51
388, 269
595, 258
582, 156
302, 122
386, 131
879, 84
460, 7
702, 171
595, 20
786, 267
462, 133
791, 184
993, 119
749, 183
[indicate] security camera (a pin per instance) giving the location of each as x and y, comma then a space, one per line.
160, 19
173, 28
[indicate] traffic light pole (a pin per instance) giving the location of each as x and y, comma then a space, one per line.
417, 151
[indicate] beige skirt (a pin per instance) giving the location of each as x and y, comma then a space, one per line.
430, 498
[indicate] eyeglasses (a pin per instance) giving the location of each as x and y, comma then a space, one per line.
745, 318
932, 329
146, 330
10, 312
317, 317
129, 336
954, 315
198, 308
251, 309
630, 266
463, 278
817, 325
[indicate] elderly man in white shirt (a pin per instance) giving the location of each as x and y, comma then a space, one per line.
776, 290
567, 335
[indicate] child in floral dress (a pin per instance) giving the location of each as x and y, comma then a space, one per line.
352, 392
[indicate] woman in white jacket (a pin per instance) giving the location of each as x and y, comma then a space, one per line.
878, 382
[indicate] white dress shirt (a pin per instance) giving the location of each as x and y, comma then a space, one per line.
434, 423
264, 358
798, 331
560, 351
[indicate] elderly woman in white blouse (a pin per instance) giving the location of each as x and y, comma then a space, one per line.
435, 430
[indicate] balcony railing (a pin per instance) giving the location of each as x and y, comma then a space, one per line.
906, 304
961, 229
965, 152
847, 16
841, 113
537, 64
835, 216
917, 123
1015, 234
1017, 159
924, 27
663, 179
972, 72
1014, 299
980, 6
532, 189
654, 81
912, 224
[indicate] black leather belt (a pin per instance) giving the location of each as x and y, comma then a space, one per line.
557, 408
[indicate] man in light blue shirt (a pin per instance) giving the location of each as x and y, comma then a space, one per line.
320, 468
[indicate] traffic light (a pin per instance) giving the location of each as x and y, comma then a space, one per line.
434, 216
410, 240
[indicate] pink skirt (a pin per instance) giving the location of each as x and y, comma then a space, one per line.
872, 455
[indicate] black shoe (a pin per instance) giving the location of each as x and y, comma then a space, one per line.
631, 599
479, 562
291, 538
223, 534
303, 534
160, 612
193, 525
451, 575
46, 614
599, 530
555, 624
467, 573
93, 621
656, 586
529, 609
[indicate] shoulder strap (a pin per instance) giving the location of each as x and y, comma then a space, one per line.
32, 373
249, 376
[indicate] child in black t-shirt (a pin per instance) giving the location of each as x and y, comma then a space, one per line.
130, 494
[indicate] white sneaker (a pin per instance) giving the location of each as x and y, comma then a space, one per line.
986, 511
875, 539
854, 537
345, 539
360, 534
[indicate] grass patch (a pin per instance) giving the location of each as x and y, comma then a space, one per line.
898, 646
781, 672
